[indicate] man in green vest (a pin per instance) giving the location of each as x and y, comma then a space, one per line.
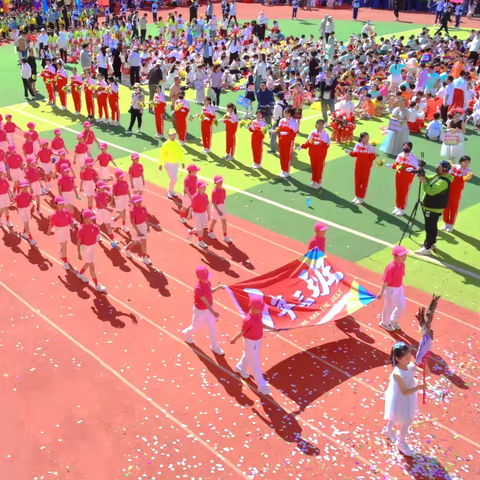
436, 190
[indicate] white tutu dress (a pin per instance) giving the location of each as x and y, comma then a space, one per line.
453, 152
400, 408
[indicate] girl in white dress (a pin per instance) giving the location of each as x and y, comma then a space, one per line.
401, 397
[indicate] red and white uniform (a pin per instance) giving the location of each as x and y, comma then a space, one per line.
404, 179
4, 196
181, 112
102, 199
104, 160
190, 186
206, 126
138, 217
456, 188
218, 198
48, 76
364, 156
3, 167
89, 137
136, 176
120, 193
10, 129
62, 81
89, 177
87, 234
200, 203
231, 126
65, 188
81, 149
317, 145
395, 302
3, 137
113, 101
256, 128
34, 138
76, 83
89, 101
32, 176
57, 144
45, 157
61, 221
60, 163
23, 201
15, 162
288, 130
102, 99
159, 110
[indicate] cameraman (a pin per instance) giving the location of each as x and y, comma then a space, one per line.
436, 190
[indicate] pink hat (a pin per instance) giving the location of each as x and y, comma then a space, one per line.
79, 136
257, 302
11, 148
62, 151
30, 160
59, 200
134, 156
8, 115
320, 227
27, 134
89, 161
101, 184
65, 168
202, 272
44, 142
87, 124
192, 168
30, 125
102, 145
119, 173
24, 183
399, 250
88, 214
217, 179
201, 183
136, 198
57, 131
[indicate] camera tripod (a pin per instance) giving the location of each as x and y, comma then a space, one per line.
409, 226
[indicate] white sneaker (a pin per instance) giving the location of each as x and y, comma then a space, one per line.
127, 253
424, 251
389, 434
169, 194
146, 261
207, 150
404, 448
360, 201
125, 229
139, 131
66, 266
227, 239
212, 235
450, 228
242, 373
256, 165
82, 277
182, 220
202, 244
204, 150
444, 228
100, 288
316, 186
187, 337
99, 238
283, 174
355, 200
182, 144
395, 210
9, 224
265, 391
400, 212
396, 326
173, 194
33, 242
388, 328
128, 132
218, 351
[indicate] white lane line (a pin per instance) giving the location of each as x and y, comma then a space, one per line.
275, 204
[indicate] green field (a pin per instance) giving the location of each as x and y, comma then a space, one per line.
361, 234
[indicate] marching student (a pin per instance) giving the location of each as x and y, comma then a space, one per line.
81, 150
189, 190
32, 175
34, 137
200, 206
181, 111
207, 117
141, 228
67, 188
287, 131
171, 154
27, 146
231, 125
121, 196
104, 159
9, 129
204, 314
112, 94
392, 289
44, 156
257, 128
61, 220
57, 142
364, 155
61, 162
319, 240
317, 145
14, 164
137, 179
159, 111
6, 199
88, 179
103, 212
90, 137
86, 245
23, 202
219, 212
252, 333
76, 84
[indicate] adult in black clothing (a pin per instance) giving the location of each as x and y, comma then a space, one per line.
155, 76
444, 22
193, 11
65, 17
398, 5
117, 62
327, 93
32, 61
313, 69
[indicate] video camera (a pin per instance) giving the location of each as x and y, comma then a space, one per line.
420, 171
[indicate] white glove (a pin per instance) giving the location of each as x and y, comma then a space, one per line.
389, 165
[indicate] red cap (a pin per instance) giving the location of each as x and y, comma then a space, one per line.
11, 148
27, 134
398, 251
62, 151
119, 173
201, 183
257, 302
134, 156
44, 142
59, 200
89, 161
79, 136
30, 160
87, 124
202, 272
23, 183
57, 131
102, 145
217, 179
88, 214
320, 227
192, 168
30, 125
136, 198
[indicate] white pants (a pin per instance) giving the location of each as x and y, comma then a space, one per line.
200, 319
199, 220
172, 172
251, 358
393, 306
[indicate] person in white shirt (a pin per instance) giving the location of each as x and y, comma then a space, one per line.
26, 72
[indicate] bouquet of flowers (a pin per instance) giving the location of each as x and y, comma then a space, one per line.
215, 122
468, 177
34, 77
201, 116
167, 116
375, 143
190, 118
152, 104
264, 130
343, 127
178, 106
66, 88
380, 163
108, 89
245, 123
49, 81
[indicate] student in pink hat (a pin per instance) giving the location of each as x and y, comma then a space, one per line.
200, 212
61, 162
137, 179
57, 142
81, 150
34, 137
67, 188
392, 290
204, 314
252, 333
61, 220
104, 158
6, 199
88, 180
14, 167
121, 196
319, 239
89, 136
86, 244
44, 157
219, 211
24, 204
10, 129
32, 175
141, 228
103, 212
189, 190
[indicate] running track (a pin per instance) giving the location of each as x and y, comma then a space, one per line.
99, 386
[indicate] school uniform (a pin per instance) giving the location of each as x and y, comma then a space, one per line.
395, 302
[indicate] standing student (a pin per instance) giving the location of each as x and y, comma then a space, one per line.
189, 190
204, 314
231, 125
159, 111
392, 289
90, 137
294, 9
141, 228
171, 155
76, 83
252, 333
319, 240
121, 196
89, 86
23, 202
136, 108
200, 206
112, 94
61, 220
207, 118
10, 129
6, 199
287, 131
401, 397
356, 7
181, 111
258, 127
102, 100
317, 145
219, 211
103, 212
86, 244
62, 81
135, 171
88, 179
